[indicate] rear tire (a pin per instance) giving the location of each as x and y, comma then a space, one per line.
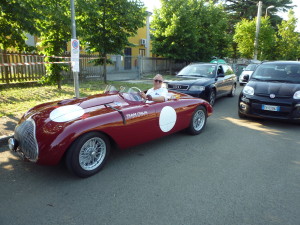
198, 121
87, 155
212, 97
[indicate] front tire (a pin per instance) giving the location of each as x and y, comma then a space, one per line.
198, 121
241, 115
87, 154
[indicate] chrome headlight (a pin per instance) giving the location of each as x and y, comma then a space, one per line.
297, 95
197, 88
248, 90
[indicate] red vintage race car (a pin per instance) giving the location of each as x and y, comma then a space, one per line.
83, 129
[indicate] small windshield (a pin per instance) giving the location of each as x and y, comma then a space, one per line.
278, 72
199, 70
251, 67
130, 94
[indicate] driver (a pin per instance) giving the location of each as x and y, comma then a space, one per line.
157, 93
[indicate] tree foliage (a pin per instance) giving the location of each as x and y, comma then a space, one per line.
55, 30
16, 18
247, 9
288, 40
191, 30
245, 34
107, 25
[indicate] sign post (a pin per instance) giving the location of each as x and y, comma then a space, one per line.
75, 50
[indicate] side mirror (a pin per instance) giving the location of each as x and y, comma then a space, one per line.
246, 78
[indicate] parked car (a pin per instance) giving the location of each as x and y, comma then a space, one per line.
273, 91
248, 71
82, 130
205, 80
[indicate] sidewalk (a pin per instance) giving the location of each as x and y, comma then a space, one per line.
7, 127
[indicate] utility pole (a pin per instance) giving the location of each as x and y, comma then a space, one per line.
75, 72
148, 34
257, 29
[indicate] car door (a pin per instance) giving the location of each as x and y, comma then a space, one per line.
229, 78
220, 81
140, 125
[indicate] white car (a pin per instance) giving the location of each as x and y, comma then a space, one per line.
247, 71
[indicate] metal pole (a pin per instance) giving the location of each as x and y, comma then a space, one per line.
257, 29
75, 74
148, 34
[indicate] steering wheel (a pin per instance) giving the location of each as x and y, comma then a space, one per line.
136, 88
137, 97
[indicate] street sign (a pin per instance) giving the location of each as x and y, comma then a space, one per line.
75, 50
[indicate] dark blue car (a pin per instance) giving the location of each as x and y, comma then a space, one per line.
205, 80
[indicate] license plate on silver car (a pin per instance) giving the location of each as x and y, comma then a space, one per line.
271, 108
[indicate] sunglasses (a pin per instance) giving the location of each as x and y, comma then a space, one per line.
159, 81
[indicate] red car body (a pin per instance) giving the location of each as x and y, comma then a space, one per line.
52, 127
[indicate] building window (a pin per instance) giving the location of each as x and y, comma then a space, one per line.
142, 52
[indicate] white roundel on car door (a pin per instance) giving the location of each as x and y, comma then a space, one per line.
167, 118
66, 113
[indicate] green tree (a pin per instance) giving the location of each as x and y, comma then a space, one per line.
245, 34
13, 25
55, 30
106, 25
288, 40
175, 30
190, 30
247, 9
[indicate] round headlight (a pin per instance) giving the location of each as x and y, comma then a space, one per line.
197, 88
297, 95
248, 90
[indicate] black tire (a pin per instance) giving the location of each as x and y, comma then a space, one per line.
196, 127
232, 92
241, 115
212, 97
88, 153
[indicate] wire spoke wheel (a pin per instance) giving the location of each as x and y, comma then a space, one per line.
199, 120
87, 155
92, 153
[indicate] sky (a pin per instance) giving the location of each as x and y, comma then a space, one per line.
152, 4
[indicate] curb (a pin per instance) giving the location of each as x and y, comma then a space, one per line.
4, 139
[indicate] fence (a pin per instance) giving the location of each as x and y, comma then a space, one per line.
16, 67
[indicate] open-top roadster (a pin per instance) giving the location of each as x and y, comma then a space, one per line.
81, 130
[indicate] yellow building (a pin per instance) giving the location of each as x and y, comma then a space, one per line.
141, 41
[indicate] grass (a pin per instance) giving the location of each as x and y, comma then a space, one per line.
16, 101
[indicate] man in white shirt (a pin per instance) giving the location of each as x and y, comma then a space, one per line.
157, 93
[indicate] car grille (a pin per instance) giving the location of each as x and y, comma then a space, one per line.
178, 87
25, 135
277, 96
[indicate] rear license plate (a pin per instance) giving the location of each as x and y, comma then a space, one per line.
271, 108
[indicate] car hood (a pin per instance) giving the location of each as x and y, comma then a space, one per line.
70, 109
193, 81
278, 89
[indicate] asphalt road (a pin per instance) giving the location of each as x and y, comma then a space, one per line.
236, 172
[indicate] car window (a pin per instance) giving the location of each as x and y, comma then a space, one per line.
251, 67
198, 70
227, 70
279, 72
